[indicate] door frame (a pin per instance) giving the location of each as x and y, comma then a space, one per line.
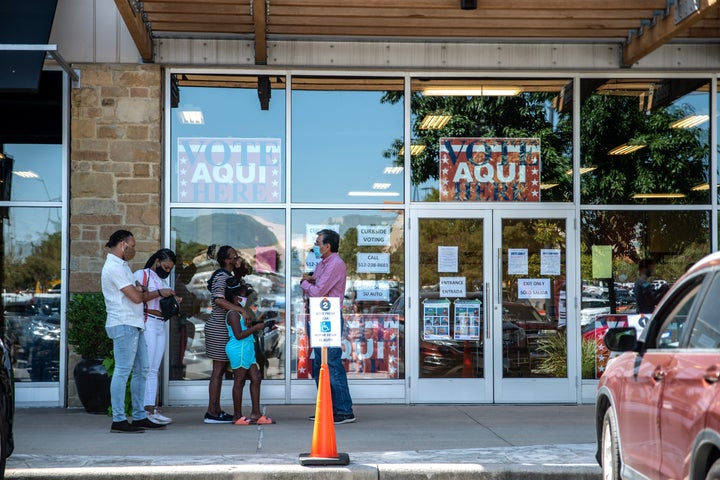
538, 390
493, 388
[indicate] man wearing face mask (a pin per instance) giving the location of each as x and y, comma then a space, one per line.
154, 280
329, 280
125, 325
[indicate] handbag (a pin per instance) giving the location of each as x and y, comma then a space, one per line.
169, 307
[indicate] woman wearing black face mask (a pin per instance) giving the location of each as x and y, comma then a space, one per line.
154, 279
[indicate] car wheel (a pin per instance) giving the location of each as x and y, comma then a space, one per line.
610, 447
714, 472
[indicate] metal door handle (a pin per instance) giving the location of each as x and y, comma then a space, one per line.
499, 277
712, 374
487, 310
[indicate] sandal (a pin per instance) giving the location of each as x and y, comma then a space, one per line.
243, 421
262, 421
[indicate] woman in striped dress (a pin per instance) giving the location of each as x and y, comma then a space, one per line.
216, 334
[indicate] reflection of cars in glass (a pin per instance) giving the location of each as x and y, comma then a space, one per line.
7, 407
33, 335
596, 329
273, 339
658, 403
522, 328
591, 307
463, 358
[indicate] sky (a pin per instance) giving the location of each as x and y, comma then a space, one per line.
345, 132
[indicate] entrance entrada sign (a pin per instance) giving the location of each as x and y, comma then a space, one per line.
490, 169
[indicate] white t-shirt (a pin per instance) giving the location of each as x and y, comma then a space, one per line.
116, 274
152, 282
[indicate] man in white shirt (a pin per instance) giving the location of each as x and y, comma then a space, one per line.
125, 324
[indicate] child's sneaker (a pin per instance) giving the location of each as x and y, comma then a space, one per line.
159, 418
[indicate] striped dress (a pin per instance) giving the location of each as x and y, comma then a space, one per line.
216, 334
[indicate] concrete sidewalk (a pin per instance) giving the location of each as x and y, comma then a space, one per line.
387, 441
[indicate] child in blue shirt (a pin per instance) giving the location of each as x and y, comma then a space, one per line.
240, 351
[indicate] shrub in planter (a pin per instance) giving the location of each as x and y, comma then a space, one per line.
86, 334
554, 351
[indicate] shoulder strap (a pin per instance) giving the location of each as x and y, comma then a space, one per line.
146, 282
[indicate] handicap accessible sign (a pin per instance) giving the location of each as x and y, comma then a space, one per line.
325, 323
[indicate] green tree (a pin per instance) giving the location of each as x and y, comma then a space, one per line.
40, 268
524, 115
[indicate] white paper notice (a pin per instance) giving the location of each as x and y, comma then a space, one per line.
529, 288
452, 287
447, 259
517, 261
550, 261
373, 262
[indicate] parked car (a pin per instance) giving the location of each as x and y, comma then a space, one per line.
591, 307
7, 407
658, 401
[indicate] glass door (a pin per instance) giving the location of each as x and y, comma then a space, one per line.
533, 361
453, 269
489, 308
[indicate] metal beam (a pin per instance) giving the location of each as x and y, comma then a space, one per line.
649, 38
50, 49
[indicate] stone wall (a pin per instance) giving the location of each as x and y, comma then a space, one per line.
115, 171
115, 165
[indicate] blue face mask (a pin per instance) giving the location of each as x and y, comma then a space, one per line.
316, 251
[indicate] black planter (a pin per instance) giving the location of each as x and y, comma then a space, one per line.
93, 385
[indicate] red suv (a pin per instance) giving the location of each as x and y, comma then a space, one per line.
658, 403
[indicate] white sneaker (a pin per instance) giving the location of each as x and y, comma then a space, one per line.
159, 418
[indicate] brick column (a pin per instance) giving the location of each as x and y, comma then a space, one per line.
115, 165
115, 171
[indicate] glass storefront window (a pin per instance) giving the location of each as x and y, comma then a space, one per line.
492, 121
228, 139
645, 141
258, 235
36, 174
372, 245
30, 272
613, 245
344, 133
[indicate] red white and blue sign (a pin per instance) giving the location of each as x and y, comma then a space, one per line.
229, 170
489, 169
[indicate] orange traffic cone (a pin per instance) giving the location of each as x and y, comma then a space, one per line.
324, 450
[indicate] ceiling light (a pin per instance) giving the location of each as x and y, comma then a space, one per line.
393, 170
701, 187
191, 116
583, 170
434, 122
26, 174
625, 149
658, 195
373, 194
414, 150
488, 91
690, 121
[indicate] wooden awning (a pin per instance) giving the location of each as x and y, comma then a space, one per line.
639, 26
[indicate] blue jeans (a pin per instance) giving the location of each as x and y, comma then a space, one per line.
130, 352
339, 390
